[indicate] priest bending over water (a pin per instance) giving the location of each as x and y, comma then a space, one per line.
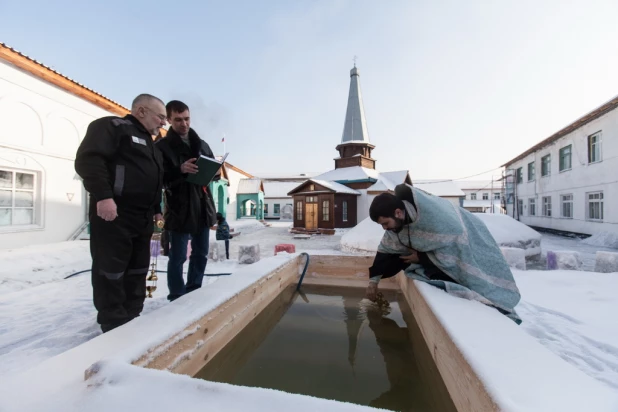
436, 242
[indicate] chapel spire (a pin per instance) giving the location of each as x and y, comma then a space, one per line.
355, 149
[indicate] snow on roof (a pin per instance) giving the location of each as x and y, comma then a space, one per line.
477, 184
383, 180
337, 187
280, 188
349, 174
396, 177
444, 188
287, 176
249, 186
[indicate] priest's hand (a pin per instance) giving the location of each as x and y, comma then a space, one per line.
372, 291
411, 258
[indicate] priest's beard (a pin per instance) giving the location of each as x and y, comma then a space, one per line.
399, 227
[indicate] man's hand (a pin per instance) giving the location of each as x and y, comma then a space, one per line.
411, 258
106, 209
372, 291
189, 166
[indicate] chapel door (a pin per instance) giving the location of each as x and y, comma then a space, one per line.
311, 216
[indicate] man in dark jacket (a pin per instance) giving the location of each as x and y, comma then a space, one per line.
189, 208
123, 172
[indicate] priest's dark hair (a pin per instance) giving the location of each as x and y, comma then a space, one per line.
384, 205
175, 106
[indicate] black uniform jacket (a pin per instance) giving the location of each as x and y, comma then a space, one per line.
118, 160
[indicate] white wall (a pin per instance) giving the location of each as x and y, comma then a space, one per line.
479, 193
362, 205
281, 201
42, 126
234, 179
581, 179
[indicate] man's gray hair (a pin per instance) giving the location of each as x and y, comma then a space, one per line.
144, 99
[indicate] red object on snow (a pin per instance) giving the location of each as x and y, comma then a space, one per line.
285, 247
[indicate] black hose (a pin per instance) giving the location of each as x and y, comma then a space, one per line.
304, 271
157, 271
78, 273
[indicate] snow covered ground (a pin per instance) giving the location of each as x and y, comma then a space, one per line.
573, 314
42, 314
570, 313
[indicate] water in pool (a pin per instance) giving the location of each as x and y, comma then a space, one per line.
333, 344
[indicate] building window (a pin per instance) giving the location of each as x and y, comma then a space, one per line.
485, 196
595, 206
547, 206
565, 158
325, 210
311, 199
594, 148
345, 210
266, 209
530, 171
299, 210
566, 206
532, 207
519, 174
520, 207
17, 197
496, 196
545, 165
312, 187
472, 196
277, 209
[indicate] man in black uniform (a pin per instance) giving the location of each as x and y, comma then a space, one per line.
189, 208
123, 172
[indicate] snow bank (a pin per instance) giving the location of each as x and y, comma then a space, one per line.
364, 236
246, 226
606, 262
563, 259
508, 232
604, 239
516, 258
519, 372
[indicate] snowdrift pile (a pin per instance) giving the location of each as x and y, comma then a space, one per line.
507, 232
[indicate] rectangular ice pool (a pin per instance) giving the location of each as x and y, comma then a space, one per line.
331, 343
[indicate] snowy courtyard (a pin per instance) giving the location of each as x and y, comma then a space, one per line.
571, 313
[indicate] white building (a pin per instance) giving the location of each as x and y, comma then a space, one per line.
565, 181
482, 196
44, 116
278, 204
235, 176
446, 189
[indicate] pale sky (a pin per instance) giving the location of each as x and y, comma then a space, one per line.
450, 88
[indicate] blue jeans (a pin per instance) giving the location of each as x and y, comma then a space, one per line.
178, 256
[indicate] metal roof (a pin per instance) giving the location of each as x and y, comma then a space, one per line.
355, 126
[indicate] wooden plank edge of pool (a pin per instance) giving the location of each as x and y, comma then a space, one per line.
188, 351
465, 387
